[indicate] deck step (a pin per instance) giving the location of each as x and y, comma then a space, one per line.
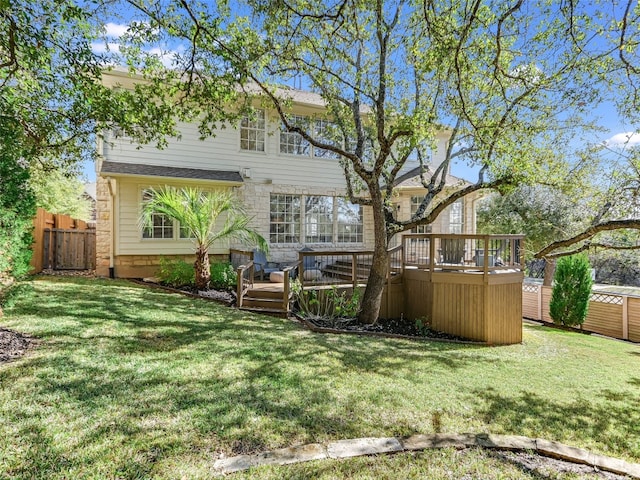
275, 312
259, 293
262, 303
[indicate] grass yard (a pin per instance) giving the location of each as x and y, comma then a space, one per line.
129, 382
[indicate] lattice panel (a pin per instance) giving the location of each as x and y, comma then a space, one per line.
605, 298
528, 288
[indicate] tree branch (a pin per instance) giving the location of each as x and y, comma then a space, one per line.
631, 223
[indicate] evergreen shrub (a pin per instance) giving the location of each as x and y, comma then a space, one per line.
571, 290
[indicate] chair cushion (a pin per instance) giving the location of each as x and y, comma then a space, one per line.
312, 274
276, 277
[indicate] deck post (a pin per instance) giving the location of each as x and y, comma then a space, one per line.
432, 252
354, 270
485, 253
301, 267
285, 291
625, 317
239, 284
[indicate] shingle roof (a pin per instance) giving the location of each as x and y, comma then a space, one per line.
169, 172
412, 179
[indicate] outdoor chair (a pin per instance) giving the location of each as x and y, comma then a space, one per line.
310, 266
452, 251
262, 266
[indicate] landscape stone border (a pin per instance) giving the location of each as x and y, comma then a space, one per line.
373, 445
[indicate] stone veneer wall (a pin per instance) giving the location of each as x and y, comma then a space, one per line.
103, 226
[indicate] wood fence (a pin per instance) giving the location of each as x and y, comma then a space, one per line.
609, 314
62, 243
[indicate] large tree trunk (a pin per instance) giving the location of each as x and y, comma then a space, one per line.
202, 268
372, 298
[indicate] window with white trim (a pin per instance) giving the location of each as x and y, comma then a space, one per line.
293, 143
284, 224
350, 222
318, 219
160, 226
415, 203
326, 132
456, 216
314, 219
252, 132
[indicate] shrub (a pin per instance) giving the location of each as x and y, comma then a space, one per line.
176, 273
223, 276
572, 288
17, 208
330, 305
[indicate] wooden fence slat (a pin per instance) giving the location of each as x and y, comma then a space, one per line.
62, 242
614, 315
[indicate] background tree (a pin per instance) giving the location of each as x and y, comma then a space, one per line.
52, 103
17, 207
509, 81
47, 77
198, 213
59, 192
598, 213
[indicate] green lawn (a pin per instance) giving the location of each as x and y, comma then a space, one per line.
130, 382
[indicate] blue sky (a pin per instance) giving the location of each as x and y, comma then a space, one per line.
616, 131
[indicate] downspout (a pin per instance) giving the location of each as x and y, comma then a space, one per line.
112, 228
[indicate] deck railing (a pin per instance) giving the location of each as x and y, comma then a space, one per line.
484, 253
350, 268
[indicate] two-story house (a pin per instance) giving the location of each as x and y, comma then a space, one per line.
295, 193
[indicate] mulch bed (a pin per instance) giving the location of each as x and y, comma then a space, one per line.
393, 327
547, 467
14, 345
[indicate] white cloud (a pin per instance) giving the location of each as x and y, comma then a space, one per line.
115, 30
628, 139
108, 47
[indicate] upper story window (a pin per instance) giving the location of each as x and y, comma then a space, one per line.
456, 216
415, 203
326, 132
252, 132
293, 143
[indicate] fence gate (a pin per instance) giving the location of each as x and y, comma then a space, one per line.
69, 249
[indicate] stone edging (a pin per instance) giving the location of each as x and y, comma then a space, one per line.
371, 446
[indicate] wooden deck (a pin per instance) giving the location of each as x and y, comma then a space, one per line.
466, 285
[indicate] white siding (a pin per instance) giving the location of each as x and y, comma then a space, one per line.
129, 239
223, 153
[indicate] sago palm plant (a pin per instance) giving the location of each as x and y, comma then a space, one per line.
198, 213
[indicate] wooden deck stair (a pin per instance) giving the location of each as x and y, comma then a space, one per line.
266, 298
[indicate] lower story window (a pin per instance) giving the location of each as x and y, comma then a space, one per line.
350, 222
162, 226
285, 219
314, 219
456, 217
159, 225
415, 203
